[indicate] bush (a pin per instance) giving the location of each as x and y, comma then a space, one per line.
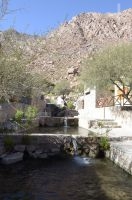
30, 114
104, 143
19, 115
70, 105
8, 143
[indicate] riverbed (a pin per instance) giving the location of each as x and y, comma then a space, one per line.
71, 178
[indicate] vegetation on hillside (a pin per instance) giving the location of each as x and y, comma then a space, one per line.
16, 80
112, 66
62, 88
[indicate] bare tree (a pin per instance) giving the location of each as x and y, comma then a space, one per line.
3, 8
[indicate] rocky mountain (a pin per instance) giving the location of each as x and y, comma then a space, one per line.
59, 55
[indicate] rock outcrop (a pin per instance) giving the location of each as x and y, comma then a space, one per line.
55, 54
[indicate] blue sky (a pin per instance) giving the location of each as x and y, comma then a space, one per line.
41, 16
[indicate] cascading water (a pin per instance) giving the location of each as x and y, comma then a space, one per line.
65, 125
79, 159
75, 146
65, 122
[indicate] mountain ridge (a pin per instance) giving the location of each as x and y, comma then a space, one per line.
62, 51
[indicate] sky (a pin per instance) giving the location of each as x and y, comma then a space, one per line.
42, 16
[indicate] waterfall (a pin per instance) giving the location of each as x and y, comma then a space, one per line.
81, 160
75, 146
65, 122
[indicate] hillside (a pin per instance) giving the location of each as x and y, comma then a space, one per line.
59, 54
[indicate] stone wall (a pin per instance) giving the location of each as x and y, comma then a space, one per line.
124, 118
45, 146
8, 111
57, 121
121, 154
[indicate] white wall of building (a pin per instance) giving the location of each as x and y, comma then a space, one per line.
90, 112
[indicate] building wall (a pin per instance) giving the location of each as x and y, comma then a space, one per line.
90, 112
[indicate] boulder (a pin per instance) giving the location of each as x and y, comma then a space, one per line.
94, 151
30, 148
73, 70
12, 158
20, 148
43, 155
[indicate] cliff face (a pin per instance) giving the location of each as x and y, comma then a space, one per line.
59, 55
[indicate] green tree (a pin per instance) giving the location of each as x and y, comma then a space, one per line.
16, 78
62, 88
13, 75
40, 84
112, 66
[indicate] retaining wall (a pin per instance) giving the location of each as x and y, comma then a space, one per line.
121, 154
44, 146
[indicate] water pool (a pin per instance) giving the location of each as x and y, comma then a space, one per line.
73, 178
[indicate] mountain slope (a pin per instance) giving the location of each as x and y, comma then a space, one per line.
59, 54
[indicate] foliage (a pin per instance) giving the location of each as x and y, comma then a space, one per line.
104, 143
104, 140
2, 100
19, 115
70, 105
100, 124
30, 113
40, 84
16, 78
8, 143
62, 88
13, 74
112, 66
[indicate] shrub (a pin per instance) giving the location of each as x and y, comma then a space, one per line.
70, 105
19, 115
30, 114
104, 143
100, 124
8, 143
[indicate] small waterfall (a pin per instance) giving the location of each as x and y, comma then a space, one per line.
81, 160
75, 146
65, 122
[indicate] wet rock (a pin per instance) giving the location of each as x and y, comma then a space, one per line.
94, 151
43, 155
52, 153
30, 148
55, 150
12, 158
20, 148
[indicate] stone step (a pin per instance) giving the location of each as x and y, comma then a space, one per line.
111, 126
107, 123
